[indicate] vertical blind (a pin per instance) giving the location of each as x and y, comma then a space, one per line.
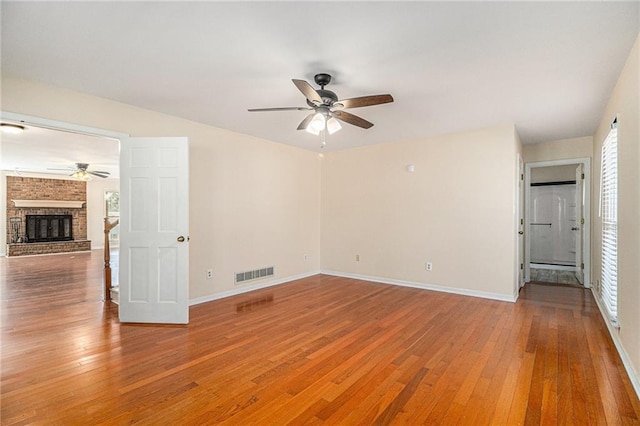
609, 214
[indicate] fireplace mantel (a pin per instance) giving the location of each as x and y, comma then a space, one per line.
48, 204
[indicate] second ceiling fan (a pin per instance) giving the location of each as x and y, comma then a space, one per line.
327, 108
80, 171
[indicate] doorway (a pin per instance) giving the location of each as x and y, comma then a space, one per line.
557, 207
47, 146
154, 280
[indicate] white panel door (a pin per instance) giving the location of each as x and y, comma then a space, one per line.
154, 226
579, 226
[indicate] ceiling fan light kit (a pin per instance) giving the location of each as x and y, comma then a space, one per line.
81, 175
333, 125
327, 108
11, 129
317, 124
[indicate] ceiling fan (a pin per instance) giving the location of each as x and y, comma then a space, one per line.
327, 108
80, 171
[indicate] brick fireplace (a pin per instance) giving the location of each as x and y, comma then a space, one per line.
52, 204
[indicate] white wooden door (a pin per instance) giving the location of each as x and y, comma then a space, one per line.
579, 226
154, 226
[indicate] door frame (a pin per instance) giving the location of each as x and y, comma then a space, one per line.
585, 228
520, 226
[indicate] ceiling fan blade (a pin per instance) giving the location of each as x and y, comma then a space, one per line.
364, 101
99, 174
279, 109
66, 170
307, 90
352, 119
304, 123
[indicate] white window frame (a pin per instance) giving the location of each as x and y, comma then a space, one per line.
608, 290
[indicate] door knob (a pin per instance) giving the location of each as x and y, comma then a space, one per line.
181, 239
521, 232
575, 228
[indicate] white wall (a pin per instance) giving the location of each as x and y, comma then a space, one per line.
624, 103
253, 203
456, 210
95, 208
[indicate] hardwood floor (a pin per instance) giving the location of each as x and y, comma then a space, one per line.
321, 350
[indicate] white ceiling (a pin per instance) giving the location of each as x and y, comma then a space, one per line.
37, 150
451, 66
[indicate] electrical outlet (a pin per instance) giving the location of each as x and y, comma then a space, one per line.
209, 274
357, 258
428, 266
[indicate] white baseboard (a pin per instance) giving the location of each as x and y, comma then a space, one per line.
613, 331
246, 289
460, 291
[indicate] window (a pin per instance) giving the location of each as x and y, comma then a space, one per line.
112, 211
112, 203
609, 215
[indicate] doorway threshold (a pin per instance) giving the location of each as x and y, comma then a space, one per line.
554, 276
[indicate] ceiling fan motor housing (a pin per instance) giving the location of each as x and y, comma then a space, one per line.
322, 79
328, 97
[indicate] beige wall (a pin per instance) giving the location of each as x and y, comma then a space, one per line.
456, 210
559, 150
553, 173
95, 208
624, 103
253, 203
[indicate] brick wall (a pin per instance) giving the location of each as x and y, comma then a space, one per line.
21, 188
47, 248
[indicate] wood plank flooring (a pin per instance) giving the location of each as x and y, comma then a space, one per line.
322, 350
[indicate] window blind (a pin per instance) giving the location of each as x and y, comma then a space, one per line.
609, 215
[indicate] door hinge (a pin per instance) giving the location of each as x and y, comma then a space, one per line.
521, 221
521, 266
582, 221
583, 176
582, 266
521, 176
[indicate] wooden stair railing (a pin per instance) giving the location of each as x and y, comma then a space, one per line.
108, 226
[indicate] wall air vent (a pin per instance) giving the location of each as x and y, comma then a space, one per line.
256, 274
